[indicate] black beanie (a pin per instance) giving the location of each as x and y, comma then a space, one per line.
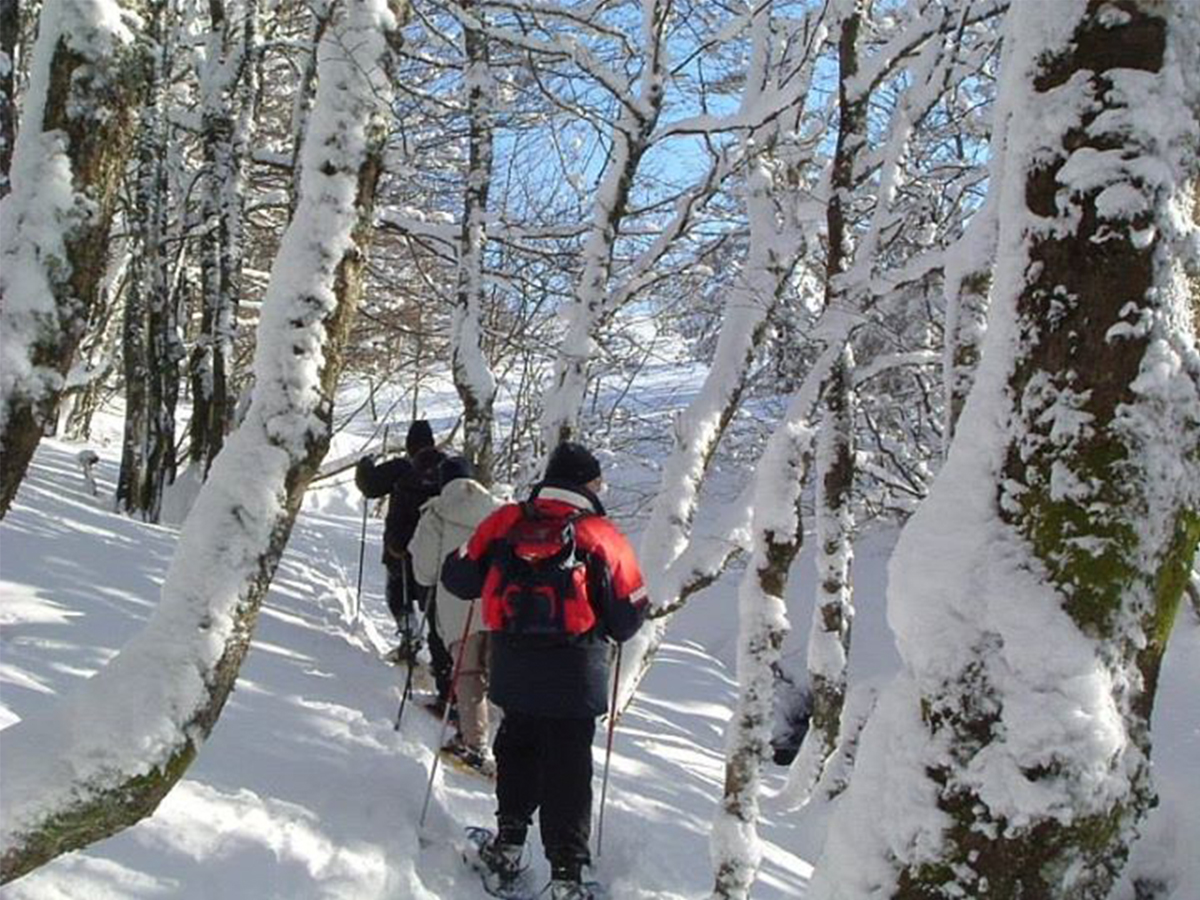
572, 463
420, 435
455, 467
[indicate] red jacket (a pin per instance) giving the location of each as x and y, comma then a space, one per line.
563, 675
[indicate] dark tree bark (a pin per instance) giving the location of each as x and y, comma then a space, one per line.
10, 30
229, 77
152, 346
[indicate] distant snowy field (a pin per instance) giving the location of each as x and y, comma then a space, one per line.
306, 791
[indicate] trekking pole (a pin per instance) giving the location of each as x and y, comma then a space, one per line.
408, 679
446, 715
612, 725
362, 550
362, 546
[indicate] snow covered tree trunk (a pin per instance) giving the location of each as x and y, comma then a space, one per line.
79, 119
135, 435
99, 353
10, 28
762, 613
563, 400
1034, 591
152, 347
227, 84
966, 321
967, 284
833, 614
472, 375
322, 14
162, 695
829, 638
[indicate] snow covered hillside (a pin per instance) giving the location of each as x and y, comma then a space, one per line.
306, 791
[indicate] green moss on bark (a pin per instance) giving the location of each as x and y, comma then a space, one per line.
110, 812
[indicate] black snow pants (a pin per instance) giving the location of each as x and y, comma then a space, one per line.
404, 597
545, 763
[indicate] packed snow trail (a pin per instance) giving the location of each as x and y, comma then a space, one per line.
304, 789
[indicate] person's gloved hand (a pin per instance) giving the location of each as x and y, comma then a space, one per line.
362, 472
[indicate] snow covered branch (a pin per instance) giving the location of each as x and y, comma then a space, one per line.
151, 707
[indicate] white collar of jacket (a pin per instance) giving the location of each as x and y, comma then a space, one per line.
580, 498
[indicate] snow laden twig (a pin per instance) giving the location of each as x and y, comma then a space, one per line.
80, 115
631, 134
156, 701
774, 247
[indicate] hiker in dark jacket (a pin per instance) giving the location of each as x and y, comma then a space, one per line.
550, 675
408, 482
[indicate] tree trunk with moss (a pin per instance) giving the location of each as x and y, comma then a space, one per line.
1034, 591
233, 540
79, 122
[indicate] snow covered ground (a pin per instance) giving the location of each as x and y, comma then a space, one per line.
306, 791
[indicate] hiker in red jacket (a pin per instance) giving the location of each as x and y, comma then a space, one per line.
559, 583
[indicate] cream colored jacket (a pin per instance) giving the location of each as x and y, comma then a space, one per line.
447, 521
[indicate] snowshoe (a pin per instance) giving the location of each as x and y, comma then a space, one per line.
572, 890
499, 865
402, 654
467, 759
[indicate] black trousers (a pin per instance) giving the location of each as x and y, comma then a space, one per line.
545, 764
404, 596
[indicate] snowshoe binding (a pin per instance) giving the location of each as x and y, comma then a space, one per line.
499, 865
572, 890
468, 759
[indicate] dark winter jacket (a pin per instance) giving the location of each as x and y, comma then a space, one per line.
409, 484
556, 675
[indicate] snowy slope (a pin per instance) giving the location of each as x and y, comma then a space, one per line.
306, 791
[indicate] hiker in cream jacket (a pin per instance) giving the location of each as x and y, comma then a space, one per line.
447, 522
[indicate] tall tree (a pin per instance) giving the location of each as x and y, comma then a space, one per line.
168, 685
80, 116
227, 90
1034, 591
472, 375
10, 30
152, 345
